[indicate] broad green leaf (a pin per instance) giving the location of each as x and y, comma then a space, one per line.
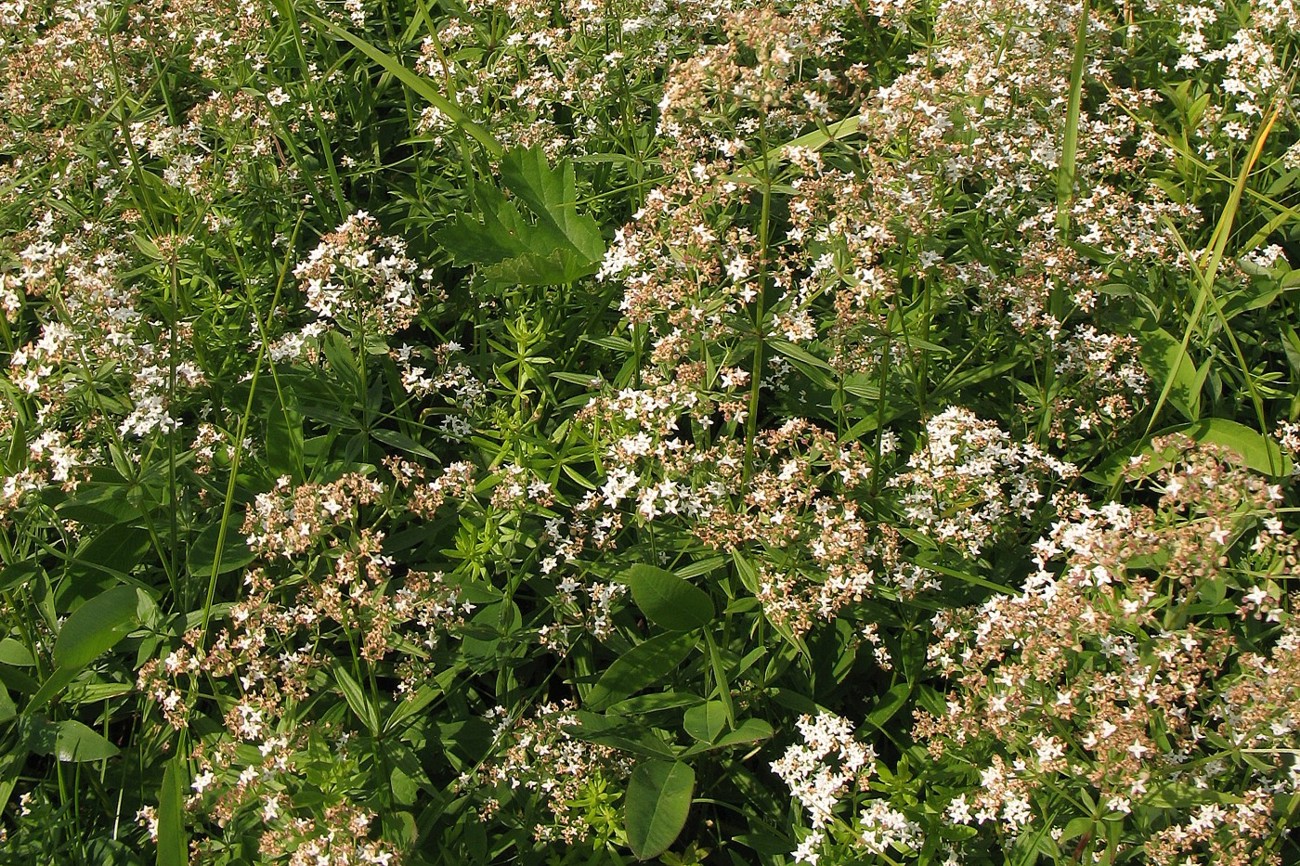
552, 195
748, 731
667, 600
95, 626
12, 763
202, 555
14, 653
404, 788
658, 801
116, 550
284, 442
644, 664
51, 687
1257, 451
75, 743
705, 721
765, 840
173, 849
18, 575
99, 503
622, 733
612, 342
338, 354
746, 572
7, 708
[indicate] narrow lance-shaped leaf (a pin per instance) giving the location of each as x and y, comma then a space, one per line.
422, 86
172, 847
640, 666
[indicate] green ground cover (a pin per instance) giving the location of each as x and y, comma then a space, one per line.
699, 431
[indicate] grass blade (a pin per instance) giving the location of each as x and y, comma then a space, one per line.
415, 83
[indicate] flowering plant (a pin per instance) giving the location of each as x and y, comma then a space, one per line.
703, 431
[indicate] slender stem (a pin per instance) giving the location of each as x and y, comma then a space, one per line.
756, 370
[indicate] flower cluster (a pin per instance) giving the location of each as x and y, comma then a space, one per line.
1104, 677
968, 480
363, 280
539, 754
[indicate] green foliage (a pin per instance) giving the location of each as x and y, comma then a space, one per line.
667, 600
698, 433
559, 246
658, 800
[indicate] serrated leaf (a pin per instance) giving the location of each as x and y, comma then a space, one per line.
496, 231
555, 268
551, 194
557, 246
658, 801
667, 600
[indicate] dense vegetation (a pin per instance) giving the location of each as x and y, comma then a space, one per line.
712, 431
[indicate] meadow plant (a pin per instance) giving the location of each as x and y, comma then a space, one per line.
704, 431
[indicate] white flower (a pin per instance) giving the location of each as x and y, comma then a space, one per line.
202, 781
807, 850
